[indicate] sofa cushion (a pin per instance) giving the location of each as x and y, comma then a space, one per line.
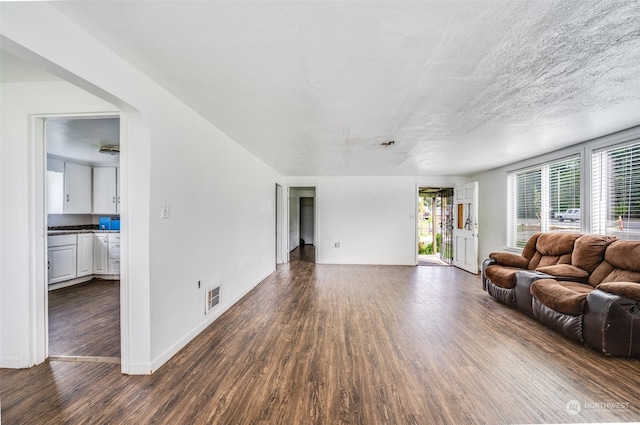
566, 271
510, 260
504, 277
553, 248
562, 296
624, 289
530, 247
621, 264
589, 250
624, 255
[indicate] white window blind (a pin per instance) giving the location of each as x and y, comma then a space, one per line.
537, 199
616, 191
525, 189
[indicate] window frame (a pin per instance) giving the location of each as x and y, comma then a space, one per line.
513, 242
597, 185
585, 149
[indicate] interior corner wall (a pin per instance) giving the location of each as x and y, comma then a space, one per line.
221, 225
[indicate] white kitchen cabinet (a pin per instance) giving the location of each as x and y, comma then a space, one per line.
105, 190
77, 188
85, 254
100, 253
62, 258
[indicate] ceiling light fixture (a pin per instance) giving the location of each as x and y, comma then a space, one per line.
109, 149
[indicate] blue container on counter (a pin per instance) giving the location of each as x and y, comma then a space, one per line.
115, 224
105, 223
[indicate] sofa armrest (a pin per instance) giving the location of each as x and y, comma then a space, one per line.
510, 260
611, 324
524, 280
624, 289
566, 272
486, 263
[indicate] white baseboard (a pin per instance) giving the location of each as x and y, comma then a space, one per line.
12, 363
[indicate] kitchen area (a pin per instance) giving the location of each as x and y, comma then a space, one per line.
83, 237
83, 201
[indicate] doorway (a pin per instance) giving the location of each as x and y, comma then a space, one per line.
435, 226
82, 210
302, 222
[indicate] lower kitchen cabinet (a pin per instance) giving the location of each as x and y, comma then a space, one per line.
100, 253
85, 254
61, 258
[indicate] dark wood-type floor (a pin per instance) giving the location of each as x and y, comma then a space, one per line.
338, 344
84, 319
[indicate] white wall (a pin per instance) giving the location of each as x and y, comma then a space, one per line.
373, 218
221, 197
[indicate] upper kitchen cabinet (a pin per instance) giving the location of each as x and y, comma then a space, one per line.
106, 199
55, 186
77, 188
68, 187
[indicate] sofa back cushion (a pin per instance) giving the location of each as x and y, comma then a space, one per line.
553, 248
530, 247
588, 251
621, 264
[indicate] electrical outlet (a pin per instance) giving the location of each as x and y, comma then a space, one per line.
337, 245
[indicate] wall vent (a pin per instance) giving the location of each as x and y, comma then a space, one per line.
213, 299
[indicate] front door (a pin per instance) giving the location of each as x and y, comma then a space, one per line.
465, 229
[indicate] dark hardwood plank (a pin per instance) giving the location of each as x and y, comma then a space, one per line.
337, 344
84, 319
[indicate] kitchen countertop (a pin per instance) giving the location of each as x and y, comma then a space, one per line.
75, 231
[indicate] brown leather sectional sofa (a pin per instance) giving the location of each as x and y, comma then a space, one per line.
586, 287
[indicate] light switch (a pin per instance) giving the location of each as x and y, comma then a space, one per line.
164, 213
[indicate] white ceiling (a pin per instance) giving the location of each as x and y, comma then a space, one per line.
314, 88
80, 139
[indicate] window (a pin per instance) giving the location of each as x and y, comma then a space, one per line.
545, 198
616, 191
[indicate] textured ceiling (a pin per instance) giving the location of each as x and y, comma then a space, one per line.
80, 138
314, 88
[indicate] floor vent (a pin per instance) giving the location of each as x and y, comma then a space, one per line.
213, 298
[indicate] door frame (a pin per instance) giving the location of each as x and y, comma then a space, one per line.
281, 258
442, 208
39, 326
